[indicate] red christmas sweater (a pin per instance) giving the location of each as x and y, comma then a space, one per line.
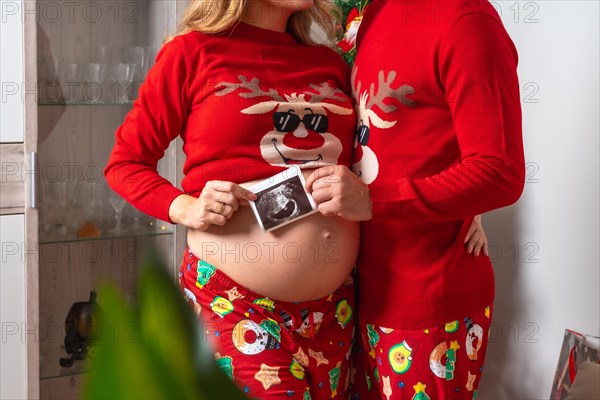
440, 141
248, 103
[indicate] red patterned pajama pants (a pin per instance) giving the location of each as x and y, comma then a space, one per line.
439, 363
273, 349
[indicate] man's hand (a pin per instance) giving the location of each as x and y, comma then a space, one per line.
338, 191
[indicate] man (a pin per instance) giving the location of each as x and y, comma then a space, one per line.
440, 142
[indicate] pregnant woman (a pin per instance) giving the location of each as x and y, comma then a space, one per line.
251, 95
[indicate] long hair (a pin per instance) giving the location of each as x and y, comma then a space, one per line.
216, 16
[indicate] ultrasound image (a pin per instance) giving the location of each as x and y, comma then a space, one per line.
282, 202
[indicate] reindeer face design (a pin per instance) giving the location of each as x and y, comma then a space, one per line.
365, 164
300, 123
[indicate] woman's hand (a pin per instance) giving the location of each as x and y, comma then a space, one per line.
476, 238
215, 205
338, 191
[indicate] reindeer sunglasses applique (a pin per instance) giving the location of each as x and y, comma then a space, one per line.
300, 134
364, 162
288, 121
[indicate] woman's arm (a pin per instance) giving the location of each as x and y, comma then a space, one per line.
157, 118
215, 205
476, 240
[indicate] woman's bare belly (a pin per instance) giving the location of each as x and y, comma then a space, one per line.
305, 260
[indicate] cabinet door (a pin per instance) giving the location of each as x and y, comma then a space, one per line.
11, 108
18, 220
13, 346
85, 238
11, 72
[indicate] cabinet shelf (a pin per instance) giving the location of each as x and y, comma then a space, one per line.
64, 103
82, 373
71, 237
52, 369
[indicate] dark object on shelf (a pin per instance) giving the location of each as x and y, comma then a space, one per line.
82, 330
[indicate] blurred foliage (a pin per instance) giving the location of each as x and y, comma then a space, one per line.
155, 349
346, 8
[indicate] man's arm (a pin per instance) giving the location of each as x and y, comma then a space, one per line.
477, 65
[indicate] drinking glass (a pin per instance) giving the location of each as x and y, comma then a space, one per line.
94, 75
123, 75
51, 69
117, 203
102, 54
137, 217
147, 61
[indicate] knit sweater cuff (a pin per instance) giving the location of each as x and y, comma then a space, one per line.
163, 197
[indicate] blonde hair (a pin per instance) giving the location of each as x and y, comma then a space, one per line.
216, 16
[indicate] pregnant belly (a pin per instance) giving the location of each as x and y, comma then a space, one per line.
305, 260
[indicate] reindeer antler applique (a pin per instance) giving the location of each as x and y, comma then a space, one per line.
325, 91
366, 166
252, 86
382, 91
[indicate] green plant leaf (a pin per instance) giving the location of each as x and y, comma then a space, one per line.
154, 351
122, 367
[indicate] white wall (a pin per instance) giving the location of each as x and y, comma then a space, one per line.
552, 281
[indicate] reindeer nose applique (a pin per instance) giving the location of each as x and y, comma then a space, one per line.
305, 141
301, 132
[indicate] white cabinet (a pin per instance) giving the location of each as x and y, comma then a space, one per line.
13, 349
11, 71
62, 130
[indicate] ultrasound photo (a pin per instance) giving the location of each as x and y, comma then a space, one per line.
283, 201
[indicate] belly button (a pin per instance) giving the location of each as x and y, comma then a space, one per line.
327, 235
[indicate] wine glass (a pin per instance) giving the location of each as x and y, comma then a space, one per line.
50, 72
118, 203
89, 194
64, 199
71, 81
49, 216
136, 216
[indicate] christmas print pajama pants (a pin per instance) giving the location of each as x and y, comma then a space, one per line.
439, 363
273, 349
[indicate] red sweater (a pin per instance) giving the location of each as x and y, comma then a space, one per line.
247, 103
438, 88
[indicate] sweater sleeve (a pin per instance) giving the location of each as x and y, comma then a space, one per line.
477, 68
157, 117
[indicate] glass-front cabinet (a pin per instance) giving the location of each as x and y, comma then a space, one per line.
89, 59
